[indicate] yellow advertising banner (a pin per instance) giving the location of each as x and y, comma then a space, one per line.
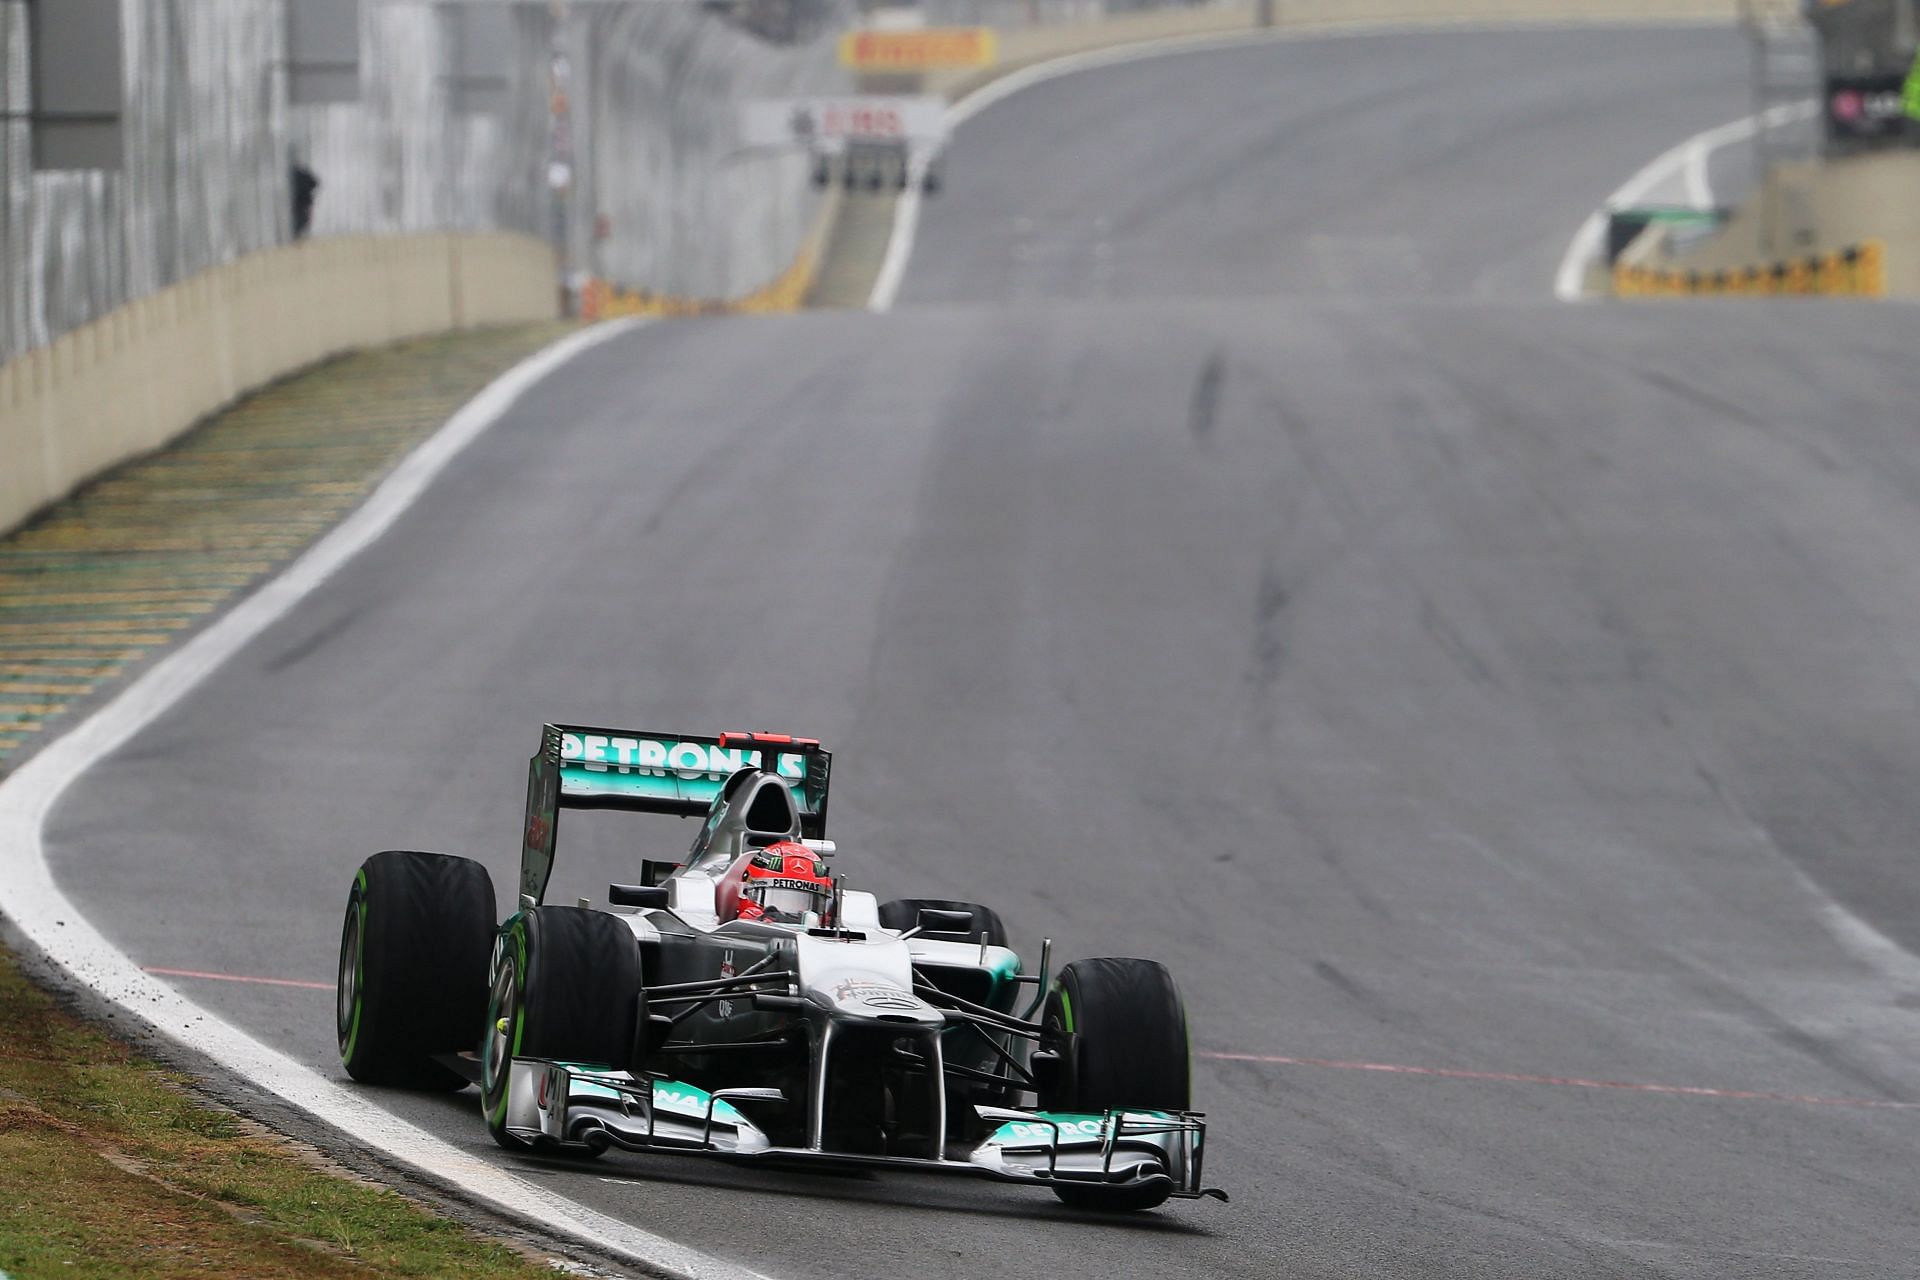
925, 49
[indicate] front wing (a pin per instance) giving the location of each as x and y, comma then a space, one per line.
572, 1104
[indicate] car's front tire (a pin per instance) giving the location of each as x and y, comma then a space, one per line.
1122, 1030
412, 979
566, 986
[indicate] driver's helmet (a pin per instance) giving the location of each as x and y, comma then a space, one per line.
783, 882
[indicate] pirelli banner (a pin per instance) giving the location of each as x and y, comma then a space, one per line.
1858, 271
918, 49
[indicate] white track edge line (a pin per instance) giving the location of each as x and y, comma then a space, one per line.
906, 210
53, 923
1688, 158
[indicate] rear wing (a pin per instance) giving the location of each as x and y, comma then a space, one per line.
578, 767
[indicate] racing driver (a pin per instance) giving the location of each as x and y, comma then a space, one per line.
784, 883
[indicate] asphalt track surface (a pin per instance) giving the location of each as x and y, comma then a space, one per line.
1435, 676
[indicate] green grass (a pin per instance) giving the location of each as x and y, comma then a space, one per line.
110, 1166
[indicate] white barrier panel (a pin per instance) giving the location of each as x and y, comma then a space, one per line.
145, 372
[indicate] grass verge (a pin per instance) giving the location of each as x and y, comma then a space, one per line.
110, 1167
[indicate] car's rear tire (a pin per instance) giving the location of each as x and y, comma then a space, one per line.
1121, 1029
904, 913
566, 986
412, 979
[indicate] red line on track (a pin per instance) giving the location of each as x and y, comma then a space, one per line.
158, 972
1565, 1082
1283, 1060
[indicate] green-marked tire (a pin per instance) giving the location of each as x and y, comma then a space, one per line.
412, 981
566, 986
1122, 1029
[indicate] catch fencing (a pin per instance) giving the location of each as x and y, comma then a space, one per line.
660, 195
201, 183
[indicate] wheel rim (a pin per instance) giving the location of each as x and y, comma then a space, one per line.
347, 989
500, 1013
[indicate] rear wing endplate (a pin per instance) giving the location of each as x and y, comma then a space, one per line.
578, 767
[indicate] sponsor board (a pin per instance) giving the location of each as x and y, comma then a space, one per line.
1867, 109
928, 49
829, 122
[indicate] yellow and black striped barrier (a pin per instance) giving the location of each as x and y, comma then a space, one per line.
602, 300
1857, 271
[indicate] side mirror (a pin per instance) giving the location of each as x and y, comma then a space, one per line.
947, 922
636, 895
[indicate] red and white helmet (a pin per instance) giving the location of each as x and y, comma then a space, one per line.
783, 883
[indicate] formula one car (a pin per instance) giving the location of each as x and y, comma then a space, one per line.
743, 1003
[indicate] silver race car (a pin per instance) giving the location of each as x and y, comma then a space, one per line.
743, 1003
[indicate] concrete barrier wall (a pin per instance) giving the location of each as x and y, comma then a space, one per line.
137, 377
1815, 209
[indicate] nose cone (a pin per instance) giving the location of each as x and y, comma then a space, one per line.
870, 1000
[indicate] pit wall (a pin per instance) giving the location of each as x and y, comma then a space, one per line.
139, 376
